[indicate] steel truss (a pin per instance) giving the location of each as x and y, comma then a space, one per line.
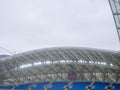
115, 7
54, 65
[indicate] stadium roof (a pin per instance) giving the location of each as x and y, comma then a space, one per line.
61, 64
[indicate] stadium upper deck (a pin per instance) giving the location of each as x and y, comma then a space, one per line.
61, 64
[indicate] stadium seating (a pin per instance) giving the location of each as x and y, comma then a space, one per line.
5, 87
79, 85
40, 86
22, 87
64, 86
116, 86
100, 86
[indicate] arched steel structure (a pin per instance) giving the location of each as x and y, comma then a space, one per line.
54, 64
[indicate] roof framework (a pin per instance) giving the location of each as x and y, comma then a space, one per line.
55, 64
115, 7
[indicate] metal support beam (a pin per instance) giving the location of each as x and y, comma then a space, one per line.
115, 7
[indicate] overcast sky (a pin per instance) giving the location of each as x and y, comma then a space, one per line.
33, 24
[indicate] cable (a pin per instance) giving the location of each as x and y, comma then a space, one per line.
7, 50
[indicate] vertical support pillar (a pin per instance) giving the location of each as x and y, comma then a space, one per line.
115, 8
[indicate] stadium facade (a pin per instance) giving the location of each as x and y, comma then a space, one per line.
65, 64
68, 68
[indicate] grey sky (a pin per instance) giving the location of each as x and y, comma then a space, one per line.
33, 24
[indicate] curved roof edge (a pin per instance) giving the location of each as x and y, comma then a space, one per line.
60, 48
